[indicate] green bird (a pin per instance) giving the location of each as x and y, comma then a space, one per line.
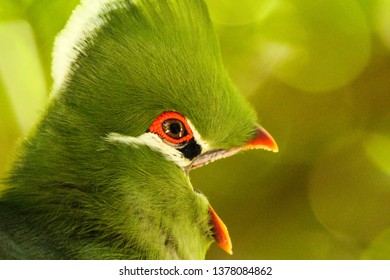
140, 98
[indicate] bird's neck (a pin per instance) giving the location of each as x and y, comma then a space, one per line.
110, 222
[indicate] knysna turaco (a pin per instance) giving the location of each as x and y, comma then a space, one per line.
140, 98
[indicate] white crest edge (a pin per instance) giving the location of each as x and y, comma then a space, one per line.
83, 24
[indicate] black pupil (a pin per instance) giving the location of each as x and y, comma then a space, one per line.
174, 128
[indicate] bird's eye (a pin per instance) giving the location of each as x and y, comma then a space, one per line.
174, 128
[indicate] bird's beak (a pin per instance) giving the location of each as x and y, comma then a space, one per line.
262, 140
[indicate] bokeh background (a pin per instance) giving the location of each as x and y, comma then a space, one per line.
318, 74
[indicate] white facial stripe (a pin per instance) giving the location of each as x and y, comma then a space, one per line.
84, 23
154, 142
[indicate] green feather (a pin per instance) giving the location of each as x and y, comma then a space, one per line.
75, 195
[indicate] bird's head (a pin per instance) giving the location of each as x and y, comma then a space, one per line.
140, 90
151, 74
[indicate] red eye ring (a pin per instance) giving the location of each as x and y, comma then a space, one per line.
157, 127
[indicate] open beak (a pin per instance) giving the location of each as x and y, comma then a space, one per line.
261, 140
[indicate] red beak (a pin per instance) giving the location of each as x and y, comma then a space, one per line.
221, 234
262, 140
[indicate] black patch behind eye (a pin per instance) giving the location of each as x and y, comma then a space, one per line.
191, 149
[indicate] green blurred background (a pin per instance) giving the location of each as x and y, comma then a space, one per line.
318, 74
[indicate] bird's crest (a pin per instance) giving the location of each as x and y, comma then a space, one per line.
92, 16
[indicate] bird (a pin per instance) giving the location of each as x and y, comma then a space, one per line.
140, 98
